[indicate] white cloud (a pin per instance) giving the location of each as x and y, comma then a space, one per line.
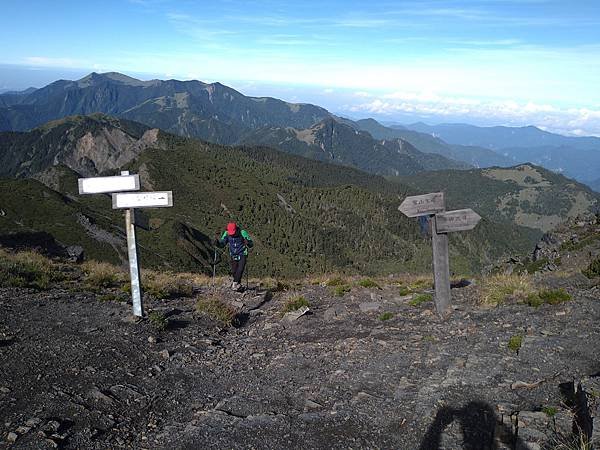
575, 121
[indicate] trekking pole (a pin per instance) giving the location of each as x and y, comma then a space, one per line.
214, 271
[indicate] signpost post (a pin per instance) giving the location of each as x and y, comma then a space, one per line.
133, 217
442, 222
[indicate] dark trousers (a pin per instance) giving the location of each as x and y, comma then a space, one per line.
237, 268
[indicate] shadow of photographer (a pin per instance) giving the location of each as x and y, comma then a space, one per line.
479, 425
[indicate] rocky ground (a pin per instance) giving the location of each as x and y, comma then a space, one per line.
76, 372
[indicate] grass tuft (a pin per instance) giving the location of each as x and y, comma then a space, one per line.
419, 299
163, 285
335, 281
340, 290
404, 290
550, 411
554, 296
102, 275
515, 342
593, 270
158, 320
28, 269
294, 304
499, 289
386, 316
215, 308
368, 283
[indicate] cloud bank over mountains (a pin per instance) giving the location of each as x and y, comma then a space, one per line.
438, 108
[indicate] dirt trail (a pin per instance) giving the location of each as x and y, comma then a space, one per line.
77, 373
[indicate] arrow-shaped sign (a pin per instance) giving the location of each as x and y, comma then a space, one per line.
458, 220
423, 205
157, 199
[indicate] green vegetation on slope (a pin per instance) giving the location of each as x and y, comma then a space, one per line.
305, 216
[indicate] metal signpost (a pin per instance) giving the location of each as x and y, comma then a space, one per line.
442, 222
133, 217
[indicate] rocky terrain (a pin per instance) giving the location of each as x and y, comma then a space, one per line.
364, 367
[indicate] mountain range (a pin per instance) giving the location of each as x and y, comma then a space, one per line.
308, 183
576, 157
306, 216
220, 114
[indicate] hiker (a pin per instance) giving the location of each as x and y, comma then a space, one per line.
239, 241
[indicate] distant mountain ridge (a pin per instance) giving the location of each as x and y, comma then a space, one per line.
474, 156
306, 216
576, 157
499, 137
334, 141
218, 114
188, 108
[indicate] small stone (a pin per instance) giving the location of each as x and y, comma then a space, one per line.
23, 430
164, 354
370, 306
12, 437
295, 315
4, 390
33, 422
151, 339
309, 404
335, 312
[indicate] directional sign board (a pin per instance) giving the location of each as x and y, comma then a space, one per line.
459, 220
423, 205
101, 185
160, 199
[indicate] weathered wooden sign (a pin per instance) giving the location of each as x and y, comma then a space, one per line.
442, 222
423, 205
102, 185
458, 220
129, 201
124, 200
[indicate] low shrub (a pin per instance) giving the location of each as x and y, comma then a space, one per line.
404, 290
368, 283
550, 411
386, 316
102, 275
158, 320
28, 269
216, 309
554, 296
534, 300
341, 290
335, 281
294, 304
419, 299
166, 284
593, 270
515, 342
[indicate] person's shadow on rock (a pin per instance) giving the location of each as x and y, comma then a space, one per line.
478, 424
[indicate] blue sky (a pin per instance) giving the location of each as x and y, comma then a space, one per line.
512, 62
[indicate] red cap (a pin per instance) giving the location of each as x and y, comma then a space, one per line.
231, 228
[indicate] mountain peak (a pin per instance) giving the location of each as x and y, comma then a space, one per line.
115, 77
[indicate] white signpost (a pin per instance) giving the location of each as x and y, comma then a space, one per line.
129, 201
442, 222
106, 185
142, 200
